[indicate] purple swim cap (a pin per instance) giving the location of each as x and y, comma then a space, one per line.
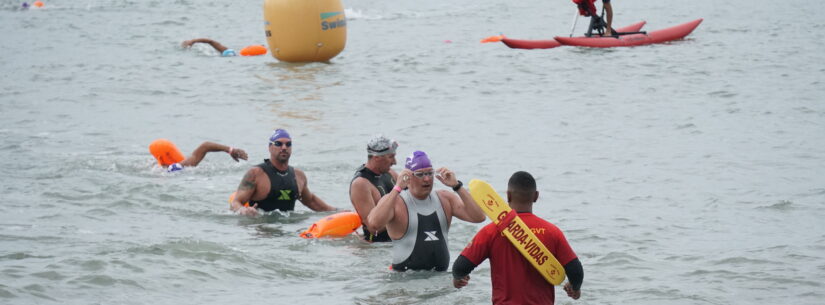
417, 160
279, 133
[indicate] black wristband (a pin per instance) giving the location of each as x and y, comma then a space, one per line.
458, 186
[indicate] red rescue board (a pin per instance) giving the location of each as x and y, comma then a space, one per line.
659, 36
552, 43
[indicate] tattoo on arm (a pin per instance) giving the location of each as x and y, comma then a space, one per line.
248, 182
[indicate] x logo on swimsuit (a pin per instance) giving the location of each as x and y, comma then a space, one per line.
430, 236
284, 194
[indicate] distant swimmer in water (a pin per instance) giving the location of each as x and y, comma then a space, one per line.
274, 184
252, 50
169, 157
418, 219
372, 181
37, 3
515, 281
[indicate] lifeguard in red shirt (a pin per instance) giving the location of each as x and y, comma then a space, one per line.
515, 281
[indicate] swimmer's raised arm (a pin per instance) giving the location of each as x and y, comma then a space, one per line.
206, 147
383, 215
217, 45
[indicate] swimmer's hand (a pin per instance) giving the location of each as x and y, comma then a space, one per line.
249, 211
237, 153
404, 179
458, 283
447, 177
187, 43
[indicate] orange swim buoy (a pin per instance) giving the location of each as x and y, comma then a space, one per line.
165, 152
38, 3
253, 50
232, 198
336, 225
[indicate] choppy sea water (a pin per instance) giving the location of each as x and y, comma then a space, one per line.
683, 173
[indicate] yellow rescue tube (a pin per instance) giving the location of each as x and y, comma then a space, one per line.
305, 30
337, 225
511, 225
165, 152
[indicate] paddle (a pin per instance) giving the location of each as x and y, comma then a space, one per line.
575, 19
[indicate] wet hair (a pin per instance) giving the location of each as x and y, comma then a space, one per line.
522, 186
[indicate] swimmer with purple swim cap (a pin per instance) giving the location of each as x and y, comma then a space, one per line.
417, 160
282, 143
418, 219
279, 134
274, 184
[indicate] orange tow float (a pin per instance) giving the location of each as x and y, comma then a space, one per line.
336, 225
232, 197
253, 50
165, 152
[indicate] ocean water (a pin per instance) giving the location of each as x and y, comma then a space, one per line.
683, 173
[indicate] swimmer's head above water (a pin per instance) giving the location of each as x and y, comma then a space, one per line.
228, 53
418, 160
174, 167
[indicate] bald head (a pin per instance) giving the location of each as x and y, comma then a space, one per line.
522, 188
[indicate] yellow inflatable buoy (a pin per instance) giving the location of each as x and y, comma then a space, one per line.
305, 30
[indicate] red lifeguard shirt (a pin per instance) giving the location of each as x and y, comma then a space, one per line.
515, 281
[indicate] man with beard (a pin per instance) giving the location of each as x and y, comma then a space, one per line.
418, 219
372, 181
274, 185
